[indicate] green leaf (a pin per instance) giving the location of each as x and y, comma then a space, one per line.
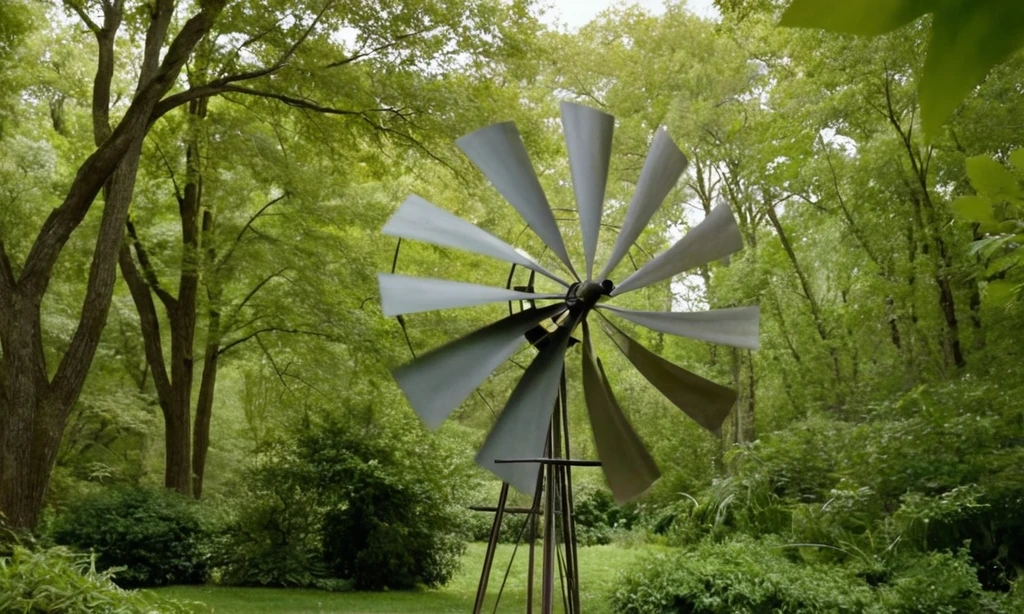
992, 178
1017, 158
1001, 292
968, 39
855, 16
1003, 263
974, 209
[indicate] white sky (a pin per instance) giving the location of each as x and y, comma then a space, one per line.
575, 13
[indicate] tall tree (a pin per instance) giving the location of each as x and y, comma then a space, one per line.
35, 402
381, 96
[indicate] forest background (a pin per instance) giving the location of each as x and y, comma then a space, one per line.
191, 197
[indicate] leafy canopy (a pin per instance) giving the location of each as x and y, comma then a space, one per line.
968, 39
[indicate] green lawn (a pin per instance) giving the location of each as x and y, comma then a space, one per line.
599, 566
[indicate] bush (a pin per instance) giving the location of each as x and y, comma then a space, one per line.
155, 534
57, 580
385, 527
333, 503
744, 575
933, 584
736, 577
598, 517
389, 535
269, 540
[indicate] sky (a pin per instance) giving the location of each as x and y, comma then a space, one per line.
575, 13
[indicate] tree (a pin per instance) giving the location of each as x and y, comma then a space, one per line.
391, 104
35, 402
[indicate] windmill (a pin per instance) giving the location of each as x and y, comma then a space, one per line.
529, 434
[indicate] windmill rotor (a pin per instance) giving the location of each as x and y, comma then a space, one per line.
439, 381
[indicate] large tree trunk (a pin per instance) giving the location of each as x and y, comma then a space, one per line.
34, 408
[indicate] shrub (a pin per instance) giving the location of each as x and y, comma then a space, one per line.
155, 534
267, 542
942, 583
736, 577
331, 502
598, 517
386, 530
57, 580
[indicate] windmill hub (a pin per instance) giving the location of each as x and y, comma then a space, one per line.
582, 296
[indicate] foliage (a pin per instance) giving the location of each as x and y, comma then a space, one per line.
967, 40
599, 519
930, 471
374, 541
746, 575
738, 576
154, 535
339, 503
59, 580
996, 213
268, 538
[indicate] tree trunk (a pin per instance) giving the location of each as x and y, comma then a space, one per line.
750, 424
174, 392
805, 284
204, 405
919, 164
211, 358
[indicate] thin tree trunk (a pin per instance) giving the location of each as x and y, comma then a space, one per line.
943, 265
805, 284
204, 404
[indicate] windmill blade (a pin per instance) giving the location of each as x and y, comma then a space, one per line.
703, 400
401, 294
628, 467
715, 237
522, 427
420, 220
499, 153
664, 164
439, 381
588, 137
736, 326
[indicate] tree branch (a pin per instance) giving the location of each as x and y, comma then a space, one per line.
273, 364
248, 226
148, 271
99, 166
362, 54
273, 329
252, 39
80, 11
252, 293
846, 211
149, 323
213, 87
170, 173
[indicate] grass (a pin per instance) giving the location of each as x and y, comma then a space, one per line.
599, 567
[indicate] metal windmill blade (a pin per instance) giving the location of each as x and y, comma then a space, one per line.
438, 382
